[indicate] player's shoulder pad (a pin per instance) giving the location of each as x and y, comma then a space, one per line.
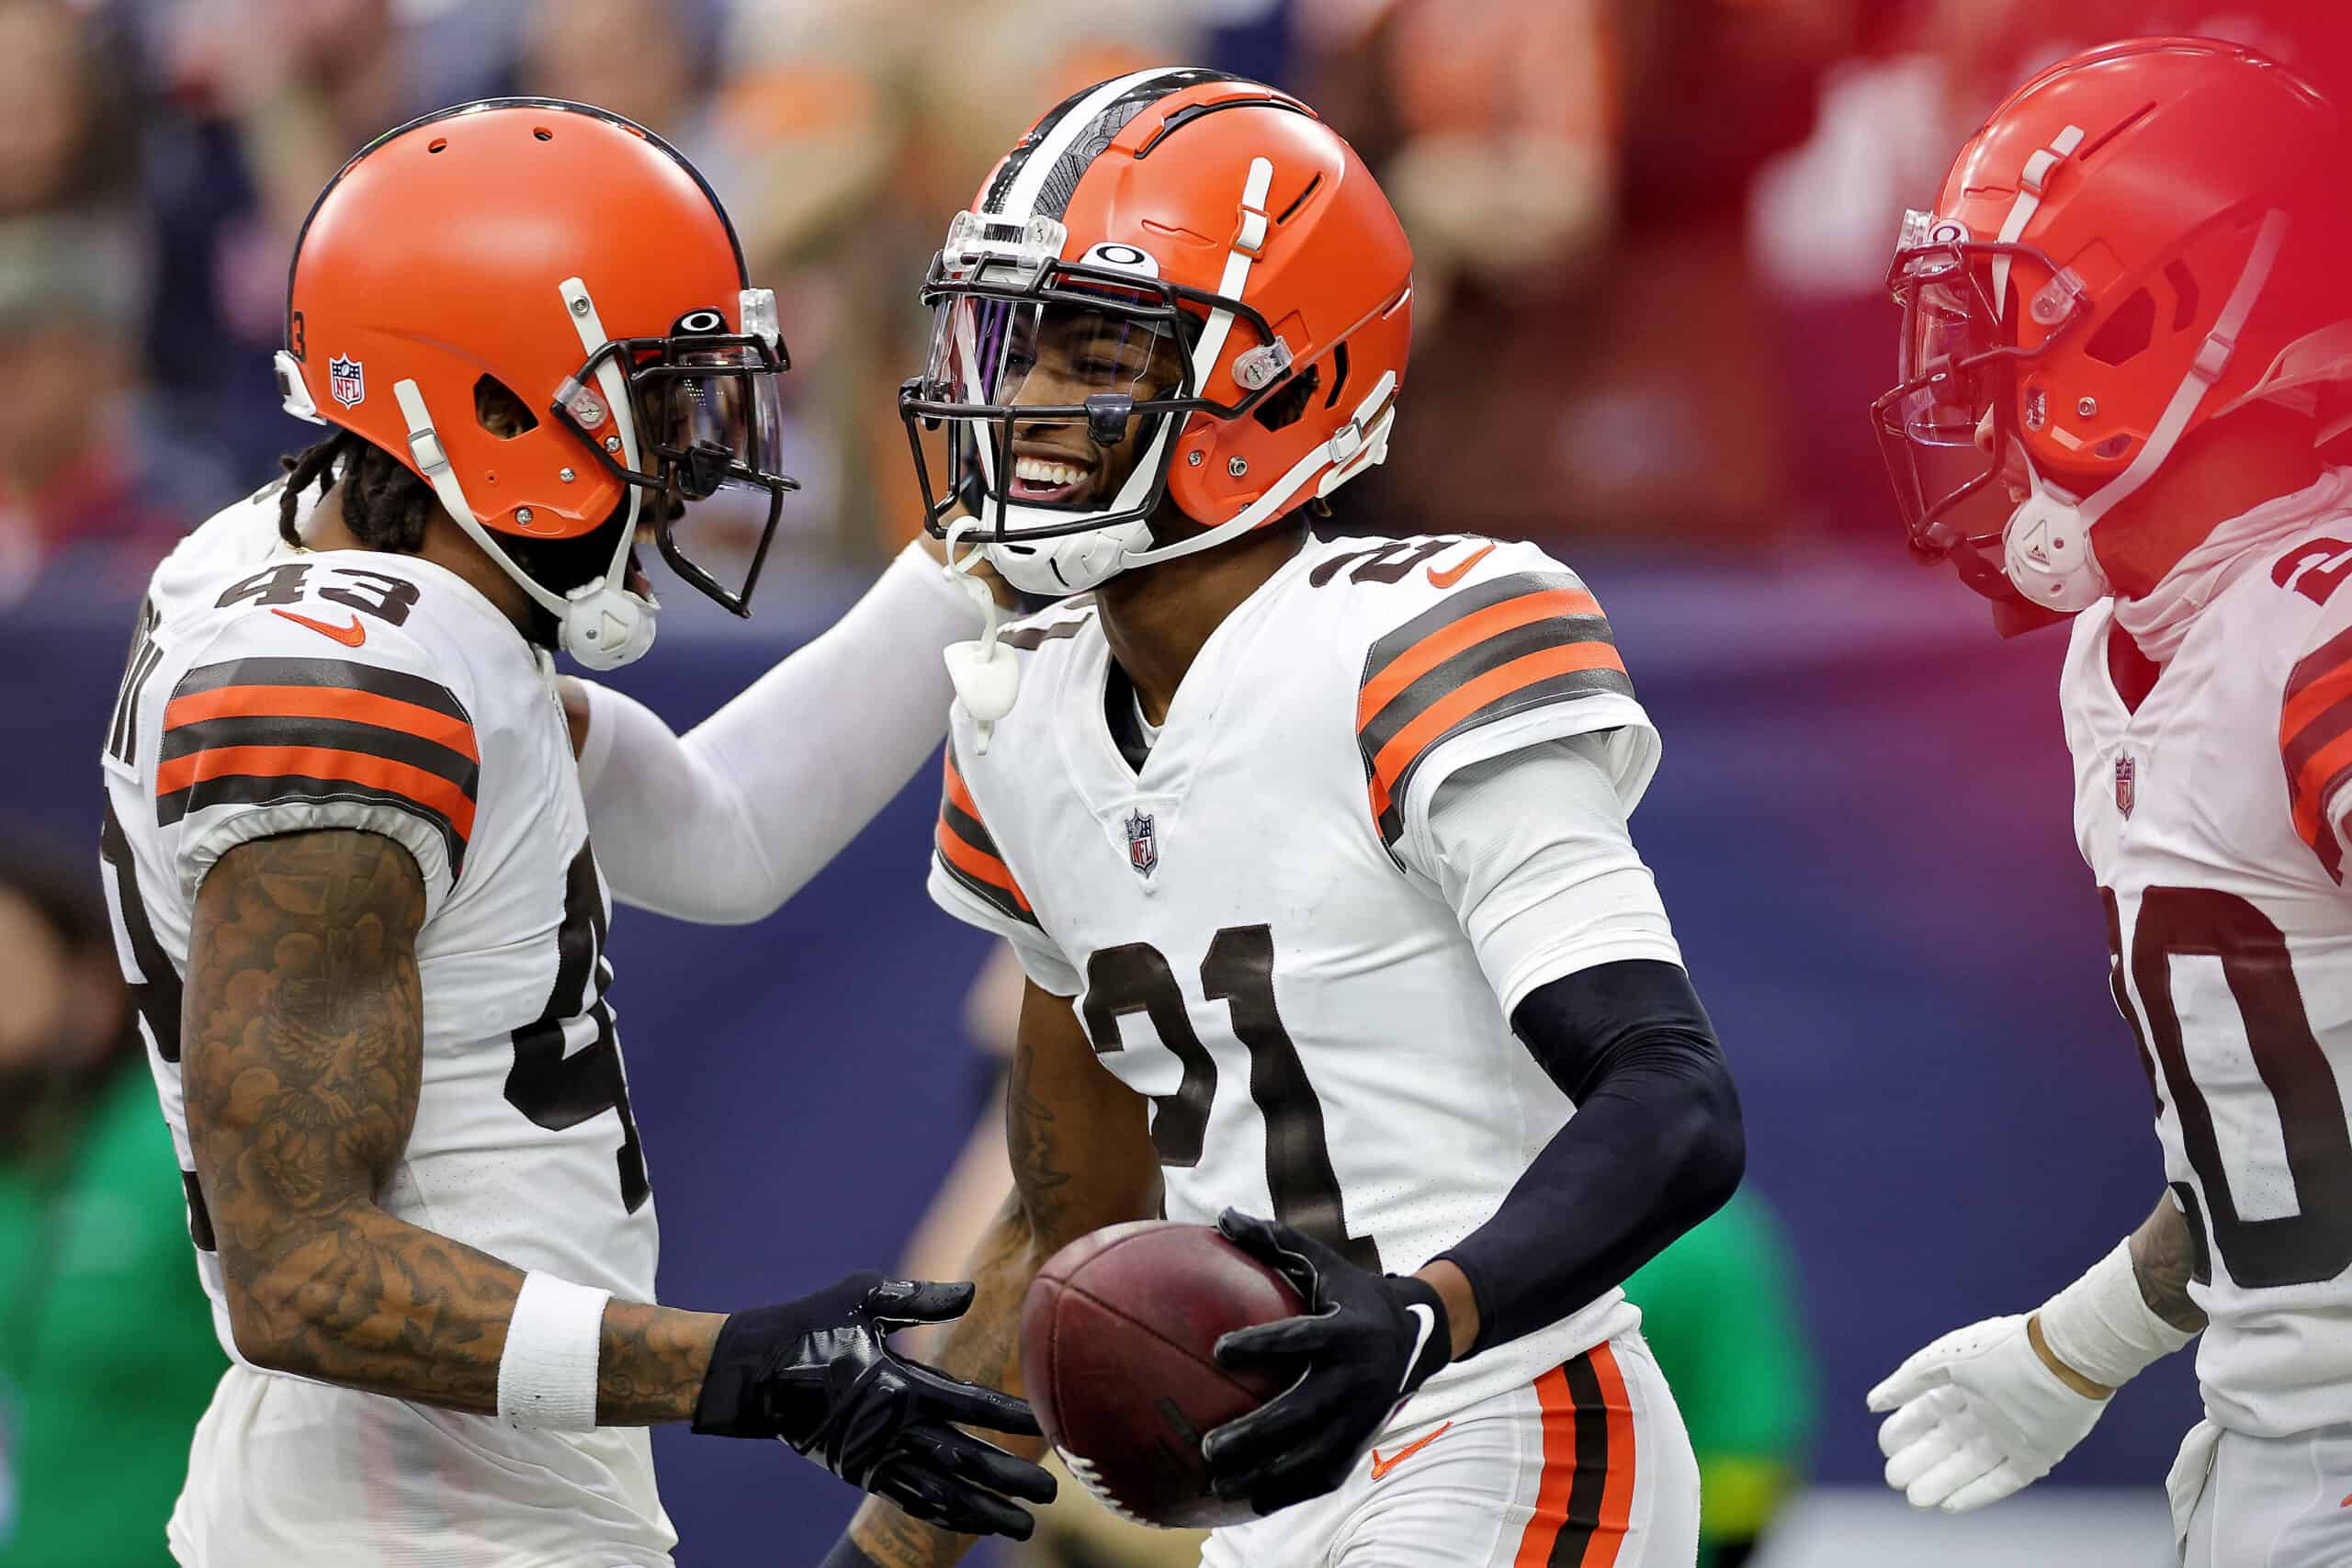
1477, 634
320, 709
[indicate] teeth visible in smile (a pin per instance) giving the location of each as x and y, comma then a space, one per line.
1037, 470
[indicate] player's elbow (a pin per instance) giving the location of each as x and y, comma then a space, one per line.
280, 1312
1714, 1153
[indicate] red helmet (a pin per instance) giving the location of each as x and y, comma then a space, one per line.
1175, 266
2120, 256
578, 262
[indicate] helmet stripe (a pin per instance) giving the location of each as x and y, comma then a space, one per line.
1041, 176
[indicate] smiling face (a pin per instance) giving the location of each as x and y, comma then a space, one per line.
1059, 357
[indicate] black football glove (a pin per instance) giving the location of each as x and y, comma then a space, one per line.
820, 1374
1368, 1342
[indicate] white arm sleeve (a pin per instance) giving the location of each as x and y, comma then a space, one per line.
726, 823
1532, 851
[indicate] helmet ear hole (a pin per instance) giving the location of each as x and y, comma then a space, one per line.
1338, 375
2127, 334
1289, 405
2184, 290
499, 412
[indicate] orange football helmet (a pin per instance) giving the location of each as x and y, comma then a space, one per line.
577, 260
2121, 253
1232, 297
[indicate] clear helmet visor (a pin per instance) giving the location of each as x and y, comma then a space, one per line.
1057, 392
711, 422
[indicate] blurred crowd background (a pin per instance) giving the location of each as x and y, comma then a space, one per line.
1652, 237
1651, 233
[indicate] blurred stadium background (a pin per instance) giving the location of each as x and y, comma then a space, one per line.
1652, 235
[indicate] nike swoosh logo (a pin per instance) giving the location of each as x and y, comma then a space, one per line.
1428, 1326
1381, 1467
350, 636
1452, 575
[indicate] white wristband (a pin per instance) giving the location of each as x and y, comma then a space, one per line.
547, 1375
2103, 1327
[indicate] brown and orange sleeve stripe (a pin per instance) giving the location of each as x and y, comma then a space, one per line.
1495, 649
967, 852
1584, 1499
2315, 744
269, 731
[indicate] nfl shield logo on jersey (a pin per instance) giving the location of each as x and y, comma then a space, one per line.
1143, 844
346, 381
2126, 773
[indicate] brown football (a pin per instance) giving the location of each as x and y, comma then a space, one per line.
1116, 1348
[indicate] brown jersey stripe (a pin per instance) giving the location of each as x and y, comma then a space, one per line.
1455, 605
1584, 1541
1468, 631
953, 819
1376, 726
1031, 639
328, 734
179, 783
2310, 789
1565, 675
328, 672
282, 789
325, 703
988, 879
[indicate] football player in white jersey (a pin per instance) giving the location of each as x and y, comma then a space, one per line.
2122, 345
348, 862
1314, 855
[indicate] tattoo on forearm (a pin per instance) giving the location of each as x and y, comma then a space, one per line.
304, 1017
652, 1362
2163, 1256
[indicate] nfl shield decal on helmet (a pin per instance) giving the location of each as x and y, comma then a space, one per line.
2126, 775
1143, 844
346, 381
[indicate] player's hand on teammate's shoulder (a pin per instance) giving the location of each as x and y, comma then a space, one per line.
818, 1374
1977, 1414
1364, 1344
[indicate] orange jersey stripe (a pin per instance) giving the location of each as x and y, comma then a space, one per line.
321, 763
1468, 632
2307, 785
1617, 1492
1472, 695
962, 796
987, 868
1559, 1472
324, 702
2314, 700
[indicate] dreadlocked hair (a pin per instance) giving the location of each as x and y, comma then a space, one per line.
385, 505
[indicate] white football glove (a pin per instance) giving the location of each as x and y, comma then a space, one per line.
1976, 1416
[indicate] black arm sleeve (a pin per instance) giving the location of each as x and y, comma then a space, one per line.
1655, 1146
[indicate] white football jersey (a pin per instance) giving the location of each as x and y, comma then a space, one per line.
271, 690
1239, 922
2212, 814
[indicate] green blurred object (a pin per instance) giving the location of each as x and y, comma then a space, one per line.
1720, 1310
107, 1353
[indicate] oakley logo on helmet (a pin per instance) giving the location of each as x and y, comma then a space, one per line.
346, 380
698, 323
1127, 258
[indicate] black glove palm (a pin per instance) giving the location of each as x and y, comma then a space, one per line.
1363, 1349
818, 1374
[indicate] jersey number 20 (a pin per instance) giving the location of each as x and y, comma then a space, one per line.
2315, 1242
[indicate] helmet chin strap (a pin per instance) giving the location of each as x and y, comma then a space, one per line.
986, 676
2046, 545
600, 623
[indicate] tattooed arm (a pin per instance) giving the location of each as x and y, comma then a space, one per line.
1081, 1160
304, 1027
2161, 1258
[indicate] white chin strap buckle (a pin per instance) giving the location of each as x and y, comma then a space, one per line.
2046, 550
605, 627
